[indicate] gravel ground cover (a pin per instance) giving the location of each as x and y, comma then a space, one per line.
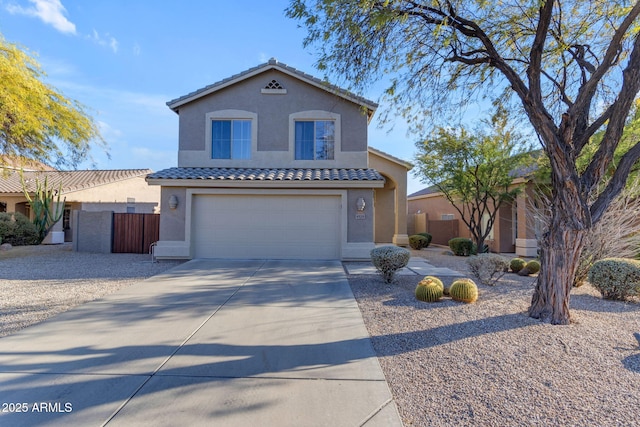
489, 364
37, 282
447, 363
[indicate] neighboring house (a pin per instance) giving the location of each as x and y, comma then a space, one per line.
514, 229
119, 191
275, 163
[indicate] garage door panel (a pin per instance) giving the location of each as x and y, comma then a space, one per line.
266, 226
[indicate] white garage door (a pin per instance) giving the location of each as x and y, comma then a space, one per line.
266, 226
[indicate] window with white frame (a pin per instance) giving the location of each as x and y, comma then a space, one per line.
315, 139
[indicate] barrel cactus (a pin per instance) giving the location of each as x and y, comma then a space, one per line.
533, 266
432, 280
464, 290
428, 291
517, 264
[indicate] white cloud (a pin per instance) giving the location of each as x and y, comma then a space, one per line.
137, 49
50, 12
107, 40
108, 132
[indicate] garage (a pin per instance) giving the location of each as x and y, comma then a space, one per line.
273, 226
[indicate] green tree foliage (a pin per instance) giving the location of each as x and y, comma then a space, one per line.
475, 170
36, 121
571, 66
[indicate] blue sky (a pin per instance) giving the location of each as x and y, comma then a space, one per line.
124, 59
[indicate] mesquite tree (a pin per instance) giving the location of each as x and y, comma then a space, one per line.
572, 67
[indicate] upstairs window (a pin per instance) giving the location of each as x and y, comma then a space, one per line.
315, 139
231, 139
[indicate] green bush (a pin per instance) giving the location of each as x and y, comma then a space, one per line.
488, 268
461, 246
389, 259
427, 236
533, 266
517, 264
418, 242
17, 230
616, 278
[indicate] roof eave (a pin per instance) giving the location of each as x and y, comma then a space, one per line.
371, 106
265, 183
391, 158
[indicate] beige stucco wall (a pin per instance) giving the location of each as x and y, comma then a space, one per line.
391, 201
172, 221
273, 123
360, 230
117, 192
12, 201
508, 237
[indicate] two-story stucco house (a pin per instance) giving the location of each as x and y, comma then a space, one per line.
274, 163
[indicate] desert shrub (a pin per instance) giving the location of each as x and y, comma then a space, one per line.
517, 264
533, 266
488, 268
464, 290
17, 230
389, 259
418, 242
616, 278
461, 246
427, 236
615, 235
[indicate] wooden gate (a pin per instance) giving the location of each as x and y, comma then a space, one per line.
134, 233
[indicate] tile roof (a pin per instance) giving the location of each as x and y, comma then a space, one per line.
424, 192
252, 174
271, 64
71, 180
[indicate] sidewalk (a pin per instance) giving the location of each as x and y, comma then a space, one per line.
416, 267
229, 343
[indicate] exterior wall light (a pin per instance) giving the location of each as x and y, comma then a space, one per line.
360, 204
173, 202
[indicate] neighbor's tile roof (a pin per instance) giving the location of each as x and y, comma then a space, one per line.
250, 174
71, 180
424, 192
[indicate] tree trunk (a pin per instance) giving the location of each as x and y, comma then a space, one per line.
560, 256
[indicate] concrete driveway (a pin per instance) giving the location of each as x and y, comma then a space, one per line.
211, 342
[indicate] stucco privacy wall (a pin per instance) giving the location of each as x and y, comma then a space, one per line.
93, 231
273, 123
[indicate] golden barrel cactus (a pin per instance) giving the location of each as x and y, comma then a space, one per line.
464, 290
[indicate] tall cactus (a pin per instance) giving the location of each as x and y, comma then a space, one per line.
45, 204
